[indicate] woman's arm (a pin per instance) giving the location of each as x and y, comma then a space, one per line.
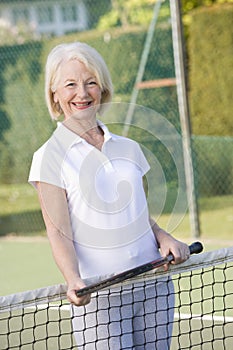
55, 212
166, 243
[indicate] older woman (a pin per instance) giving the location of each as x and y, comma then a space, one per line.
90, 186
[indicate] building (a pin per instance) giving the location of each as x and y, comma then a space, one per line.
50, 17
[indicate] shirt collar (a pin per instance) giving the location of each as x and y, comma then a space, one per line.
68, 138
107, 134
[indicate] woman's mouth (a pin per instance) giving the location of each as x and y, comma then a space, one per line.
82, 105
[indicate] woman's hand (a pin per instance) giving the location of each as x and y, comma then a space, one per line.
72, 296
170, 245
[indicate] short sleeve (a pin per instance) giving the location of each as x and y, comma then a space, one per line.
48, 160
46, 167
142, 161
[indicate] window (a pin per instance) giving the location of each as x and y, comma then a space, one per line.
20, 15
69, 13
45, 14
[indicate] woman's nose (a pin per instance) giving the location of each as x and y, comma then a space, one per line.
82, 90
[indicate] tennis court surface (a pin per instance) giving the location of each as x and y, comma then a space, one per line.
203, 315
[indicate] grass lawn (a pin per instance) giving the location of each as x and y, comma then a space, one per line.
17, 198
216, 221
26, 264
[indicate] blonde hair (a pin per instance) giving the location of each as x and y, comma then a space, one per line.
93, 62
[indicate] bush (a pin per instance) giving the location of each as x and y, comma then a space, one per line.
26, 115
210, 70
213, 165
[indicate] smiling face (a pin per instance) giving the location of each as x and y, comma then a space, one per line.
77, 90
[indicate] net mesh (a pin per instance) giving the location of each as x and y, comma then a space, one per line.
200, 318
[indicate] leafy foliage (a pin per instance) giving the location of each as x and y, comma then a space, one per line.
213, 164
17, 34
188, 5
22, 93
210, 71
124, 13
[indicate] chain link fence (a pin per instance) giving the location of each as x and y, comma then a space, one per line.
29, 29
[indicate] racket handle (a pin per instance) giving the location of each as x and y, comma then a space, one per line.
196, 248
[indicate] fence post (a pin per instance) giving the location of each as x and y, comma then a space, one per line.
178, 50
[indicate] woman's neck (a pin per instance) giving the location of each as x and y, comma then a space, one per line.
88, 129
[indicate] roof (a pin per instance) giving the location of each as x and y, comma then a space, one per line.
19, 2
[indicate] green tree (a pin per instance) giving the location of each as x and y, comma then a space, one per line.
188, 5
210, 70
18, 34
139, 12
125, 13
30, 124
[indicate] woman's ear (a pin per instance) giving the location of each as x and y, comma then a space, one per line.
55, 97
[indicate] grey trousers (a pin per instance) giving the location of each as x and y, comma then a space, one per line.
136, 317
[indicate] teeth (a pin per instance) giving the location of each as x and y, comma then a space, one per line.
81, 104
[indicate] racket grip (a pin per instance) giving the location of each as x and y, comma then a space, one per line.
196, 248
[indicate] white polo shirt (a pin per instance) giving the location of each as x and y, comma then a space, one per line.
106, 200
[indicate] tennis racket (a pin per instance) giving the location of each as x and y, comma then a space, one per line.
194, 248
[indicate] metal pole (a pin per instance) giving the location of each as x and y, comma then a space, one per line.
141, 68
178, 49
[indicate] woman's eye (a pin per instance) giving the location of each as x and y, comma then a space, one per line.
92, 82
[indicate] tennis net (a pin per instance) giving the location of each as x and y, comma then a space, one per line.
202, 318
